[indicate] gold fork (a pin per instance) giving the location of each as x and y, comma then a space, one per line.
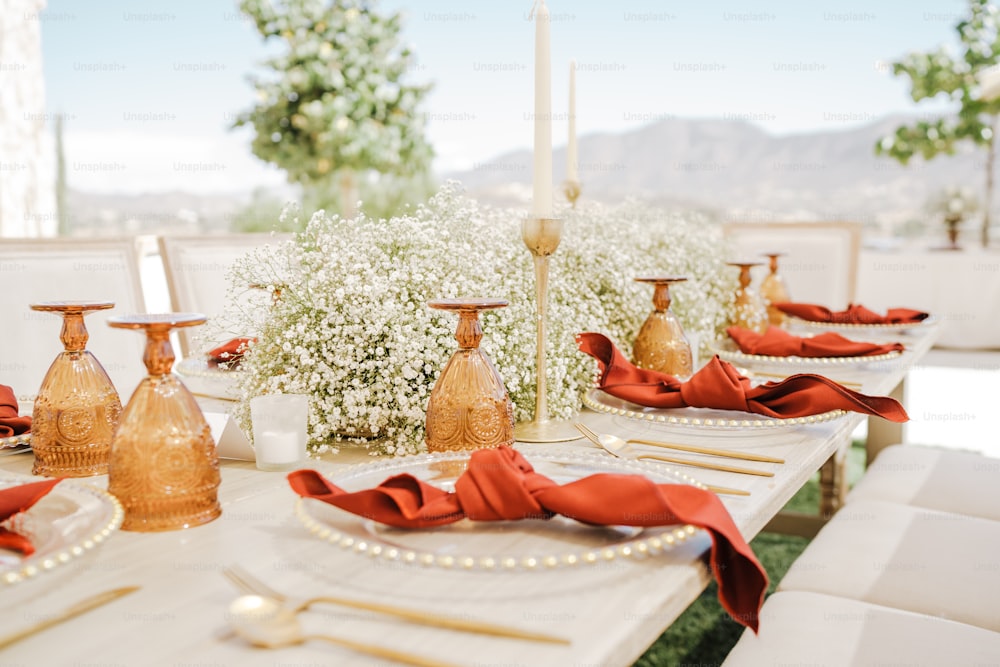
251, 584
618, 447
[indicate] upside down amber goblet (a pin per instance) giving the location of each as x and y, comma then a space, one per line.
748, 309
77, 408
661, 344
469, 407
773, 289
164, 467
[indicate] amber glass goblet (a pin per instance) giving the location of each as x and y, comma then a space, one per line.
661, 344
164, 467
748, 309
77, 408
469, 407
773, 289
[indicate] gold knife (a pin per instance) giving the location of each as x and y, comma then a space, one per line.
80, 607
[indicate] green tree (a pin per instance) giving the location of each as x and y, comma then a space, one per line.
939, 73
336, 105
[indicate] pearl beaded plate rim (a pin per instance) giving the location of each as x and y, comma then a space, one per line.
17, 442
528, 545
860, 326
68, 522
727, 349
711, 422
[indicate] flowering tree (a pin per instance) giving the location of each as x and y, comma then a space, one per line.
939, 73
336, 105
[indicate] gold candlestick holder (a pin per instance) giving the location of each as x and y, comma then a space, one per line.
542, 236
572, 190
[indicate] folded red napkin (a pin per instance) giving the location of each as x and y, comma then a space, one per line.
500, 485
777, 342
10, 422
854, 314
719, 385
15, 500
230, 351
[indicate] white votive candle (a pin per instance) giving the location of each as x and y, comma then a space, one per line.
274, 447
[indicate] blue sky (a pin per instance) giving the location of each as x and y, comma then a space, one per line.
150, 89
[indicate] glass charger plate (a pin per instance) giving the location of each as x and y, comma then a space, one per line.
15, 442
69, 521
202, 376
727, 349
531, 544
850, 326
700, 420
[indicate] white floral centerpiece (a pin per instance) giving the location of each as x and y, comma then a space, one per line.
351, 329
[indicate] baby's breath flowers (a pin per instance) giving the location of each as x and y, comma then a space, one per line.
351, 329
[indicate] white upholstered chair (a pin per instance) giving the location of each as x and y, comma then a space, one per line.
196, 268
821, 258
58, 270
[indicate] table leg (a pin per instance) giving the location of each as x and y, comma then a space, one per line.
833, 484
882, 433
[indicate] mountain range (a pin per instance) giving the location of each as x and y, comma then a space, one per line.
729, 169
739, 172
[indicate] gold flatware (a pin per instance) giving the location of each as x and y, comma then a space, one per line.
708, 451
618, 447
73, 611
266, 623
250, 584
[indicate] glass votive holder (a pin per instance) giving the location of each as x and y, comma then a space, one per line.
280, 423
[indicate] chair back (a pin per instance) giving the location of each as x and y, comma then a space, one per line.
821, 258
34, 270
196, 269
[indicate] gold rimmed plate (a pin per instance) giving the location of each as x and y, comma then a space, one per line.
208, 378
72, 519
701, 421
530, 544
901, 327
728, 350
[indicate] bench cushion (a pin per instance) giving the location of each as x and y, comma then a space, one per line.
911, 558
798, 628
935, 478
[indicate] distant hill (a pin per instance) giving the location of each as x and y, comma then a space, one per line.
739, 172
729, 169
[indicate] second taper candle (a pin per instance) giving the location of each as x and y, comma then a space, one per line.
572, 174
542, 199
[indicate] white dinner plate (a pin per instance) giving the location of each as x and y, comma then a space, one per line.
530, 544
701, 421
65, 524
728, 350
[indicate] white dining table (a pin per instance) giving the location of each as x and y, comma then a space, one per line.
611, 610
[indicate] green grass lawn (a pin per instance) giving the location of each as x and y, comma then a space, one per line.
704, 634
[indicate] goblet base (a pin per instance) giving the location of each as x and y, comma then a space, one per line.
550, 430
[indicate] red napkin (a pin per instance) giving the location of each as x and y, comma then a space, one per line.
777, 342
500, 485
854, 314
14, 501
718, 385
231, 351
10, 422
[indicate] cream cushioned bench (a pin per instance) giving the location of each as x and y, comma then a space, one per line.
799, 628
940, 479
920, 560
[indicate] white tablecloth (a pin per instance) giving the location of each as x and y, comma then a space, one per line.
961, 288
